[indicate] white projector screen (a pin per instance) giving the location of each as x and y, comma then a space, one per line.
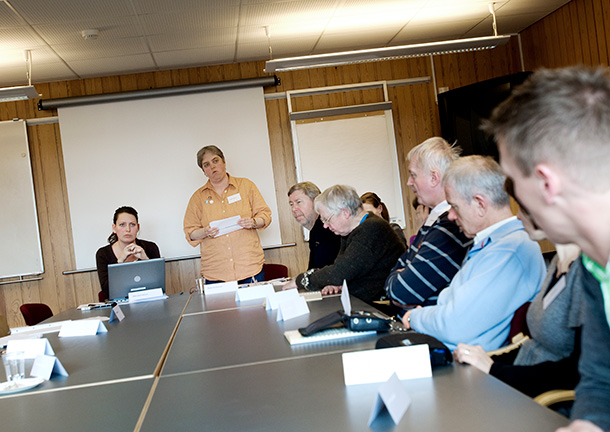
142, 153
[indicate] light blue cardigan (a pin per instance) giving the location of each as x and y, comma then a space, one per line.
501, 273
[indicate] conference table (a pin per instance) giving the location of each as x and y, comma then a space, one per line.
208, 362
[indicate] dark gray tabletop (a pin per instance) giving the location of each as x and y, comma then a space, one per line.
248, 335
109, 407
131, 348
308, 394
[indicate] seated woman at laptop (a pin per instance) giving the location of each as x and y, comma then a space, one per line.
123, 245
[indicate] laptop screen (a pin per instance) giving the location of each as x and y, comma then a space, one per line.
135, 276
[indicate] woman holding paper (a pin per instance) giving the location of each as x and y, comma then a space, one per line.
123, 245
222, 217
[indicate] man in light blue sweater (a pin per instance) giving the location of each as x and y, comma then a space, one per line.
503, 269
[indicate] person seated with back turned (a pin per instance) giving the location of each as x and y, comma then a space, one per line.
503, 269
548, 360
372, 203
439, 248
553, 135
369, 248
323, 243
123, 245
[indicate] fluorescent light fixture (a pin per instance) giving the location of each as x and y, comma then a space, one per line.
9, 94
387, 53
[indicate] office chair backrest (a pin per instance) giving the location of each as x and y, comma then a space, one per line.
275, 271
33, 313
519, 322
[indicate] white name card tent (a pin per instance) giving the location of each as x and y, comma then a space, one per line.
31, 348
46, 365
292, 308
146, 295
255, 292
116, 314
274, 299
394, 398
85, 327
220, 288
374, 366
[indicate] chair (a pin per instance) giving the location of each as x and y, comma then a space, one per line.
275, 271
519, 322
101, 296
553, 397
33, 313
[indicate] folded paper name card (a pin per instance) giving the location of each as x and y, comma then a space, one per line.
274, 299
86, 327
374, 366
45, 365
256, 292
292, 308
31, 348
393, 397
116, 314
219, 288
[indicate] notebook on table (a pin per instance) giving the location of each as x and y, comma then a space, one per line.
136, 276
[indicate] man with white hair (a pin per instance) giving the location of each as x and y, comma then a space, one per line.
553, 135
503, 270
439, 247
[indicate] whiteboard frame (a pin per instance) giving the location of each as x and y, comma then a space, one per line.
27, 207
385, 106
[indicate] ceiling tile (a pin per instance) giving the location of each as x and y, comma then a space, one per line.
98, 49
194, 57
113, 66
201, 39
62, 11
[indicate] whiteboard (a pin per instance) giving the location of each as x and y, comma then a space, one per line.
21, 253
359, 151
142, 153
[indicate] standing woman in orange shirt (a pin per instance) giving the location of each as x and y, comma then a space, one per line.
226, 256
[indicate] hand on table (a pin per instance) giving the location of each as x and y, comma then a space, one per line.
580, 426
473, 355
331, 289
291, 284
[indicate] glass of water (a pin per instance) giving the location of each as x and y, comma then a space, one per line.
14, 365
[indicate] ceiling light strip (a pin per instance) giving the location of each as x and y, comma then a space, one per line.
386, 53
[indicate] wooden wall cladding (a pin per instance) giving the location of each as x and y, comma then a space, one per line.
415, 119
576, 34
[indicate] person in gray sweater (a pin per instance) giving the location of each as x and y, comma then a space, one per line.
369, 248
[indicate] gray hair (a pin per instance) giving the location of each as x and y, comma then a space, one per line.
308, 188
561, 117
209, 149
472, 175
339, 197
434, 154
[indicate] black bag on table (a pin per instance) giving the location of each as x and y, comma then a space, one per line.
440, 355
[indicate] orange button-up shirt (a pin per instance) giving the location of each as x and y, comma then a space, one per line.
237, 255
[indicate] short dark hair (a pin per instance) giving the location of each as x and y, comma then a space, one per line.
373, 199
209, 149
124, 209
308, 188
558, 116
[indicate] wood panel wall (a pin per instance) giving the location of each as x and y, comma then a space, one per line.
415, 119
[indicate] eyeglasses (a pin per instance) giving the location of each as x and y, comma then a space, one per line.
326, 221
